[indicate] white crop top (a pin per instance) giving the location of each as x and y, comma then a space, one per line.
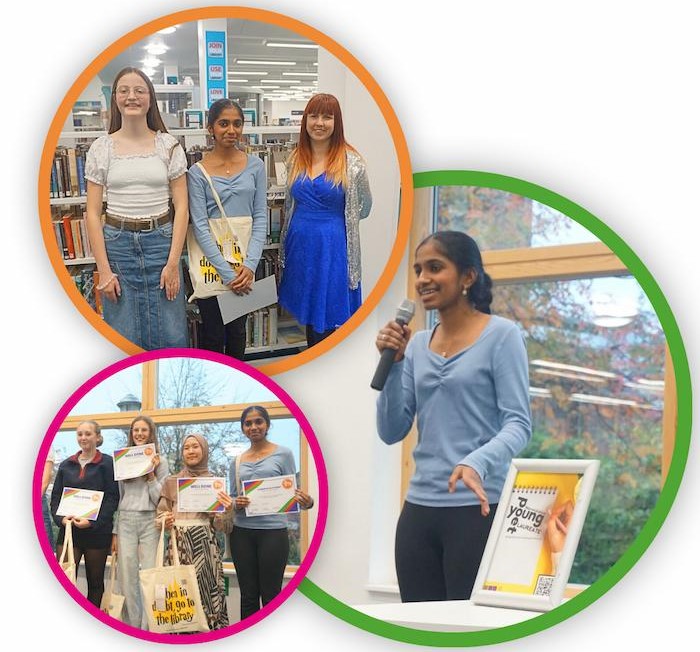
137, 185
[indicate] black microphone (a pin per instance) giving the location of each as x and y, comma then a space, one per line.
404, 314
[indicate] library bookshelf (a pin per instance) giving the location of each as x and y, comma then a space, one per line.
271, 332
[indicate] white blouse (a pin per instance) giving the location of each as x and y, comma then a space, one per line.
137, 185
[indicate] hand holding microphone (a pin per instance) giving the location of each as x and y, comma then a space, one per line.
391, 342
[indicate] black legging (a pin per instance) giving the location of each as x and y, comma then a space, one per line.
95, 562
260, 557
216, 336
314, 337
438, 551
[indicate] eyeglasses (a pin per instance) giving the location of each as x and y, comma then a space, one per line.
139, 91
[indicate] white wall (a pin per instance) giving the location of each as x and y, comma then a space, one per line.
357, 550
367, 131
363, 473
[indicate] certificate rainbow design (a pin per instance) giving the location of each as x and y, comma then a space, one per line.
200, 494
185, 483
67, 492
251, 486
80, 503
133, 461
290, 507
275, 495
120, 453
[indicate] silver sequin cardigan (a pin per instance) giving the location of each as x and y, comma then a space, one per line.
358, 203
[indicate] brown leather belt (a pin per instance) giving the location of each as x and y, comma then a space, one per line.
137, 223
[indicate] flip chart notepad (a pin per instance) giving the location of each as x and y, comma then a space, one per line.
522, 535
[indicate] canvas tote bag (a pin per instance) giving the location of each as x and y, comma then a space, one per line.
231, 234
112, 603
67, 559
171, 594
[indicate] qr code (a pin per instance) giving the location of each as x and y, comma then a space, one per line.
544, 584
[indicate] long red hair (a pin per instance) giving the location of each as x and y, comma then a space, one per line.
336, 168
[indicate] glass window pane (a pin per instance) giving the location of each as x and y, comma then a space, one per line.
596, 351
65, 445
502, 220
190, 382
124, 386
225, 442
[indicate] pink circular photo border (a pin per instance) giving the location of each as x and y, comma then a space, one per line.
307, 432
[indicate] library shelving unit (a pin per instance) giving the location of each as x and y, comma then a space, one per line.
270, 332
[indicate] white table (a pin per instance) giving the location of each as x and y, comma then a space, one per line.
447, 616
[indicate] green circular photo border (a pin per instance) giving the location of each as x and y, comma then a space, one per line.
675, 471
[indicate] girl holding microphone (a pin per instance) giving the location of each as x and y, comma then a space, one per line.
466, 382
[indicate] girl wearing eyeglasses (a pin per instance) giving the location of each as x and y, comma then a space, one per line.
138, 169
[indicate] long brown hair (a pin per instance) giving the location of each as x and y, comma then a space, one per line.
153, 117
152, 439
336, 169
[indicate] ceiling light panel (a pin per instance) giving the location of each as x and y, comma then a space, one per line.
305, 46
252, 62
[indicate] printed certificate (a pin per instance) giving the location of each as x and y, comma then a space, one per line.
134, 461
271, 495
83, 503
200, 494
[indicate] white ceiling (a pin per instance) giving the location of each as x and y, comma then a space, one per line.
246, 40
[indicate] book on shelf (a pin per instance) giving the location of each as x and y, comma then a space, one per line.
67, 181
290, 334
261, 328
87, 280
71, 232
68, 172
68, 236
275, 219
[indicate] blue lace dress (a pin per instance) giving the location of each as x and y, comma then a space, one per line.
314, 285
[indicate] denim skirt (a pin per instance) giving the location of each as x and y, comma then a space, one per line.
142, 313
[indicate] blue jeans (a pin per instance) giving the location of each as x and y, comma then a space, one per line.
137, 544
142, 313
48, 522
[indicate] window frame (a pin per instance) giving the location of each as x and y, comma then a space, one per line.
527, 264
193, 415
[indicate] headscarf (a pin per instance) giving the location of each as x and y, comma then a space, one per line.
169, 490
203, 467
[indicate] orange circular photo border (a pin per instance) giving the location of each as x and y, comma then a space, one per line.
242, 13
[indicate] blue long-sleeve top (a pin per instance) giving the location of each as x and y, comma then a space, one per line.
242, 194
472, 408
279, 462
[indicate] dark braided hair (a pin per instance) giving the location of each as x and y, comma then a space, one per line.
463, 252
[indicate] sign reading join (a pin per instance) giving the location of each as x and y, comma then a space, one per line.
215, 49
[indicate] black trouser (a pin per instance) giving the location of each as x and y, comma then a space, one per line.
260, 557
217, 336
314, 337
438, 551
